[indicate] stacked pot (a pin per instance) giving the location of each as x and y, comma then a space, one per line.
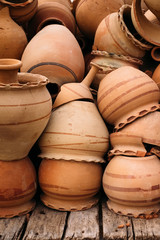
72, 149
25, 108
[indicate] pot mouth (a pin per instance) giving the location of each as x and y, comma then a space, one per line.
16, 3
10, 64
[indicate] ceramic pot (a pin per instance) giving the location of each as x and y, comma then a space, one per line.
51, 13
132, 185
17, 187
126, 94
146, 127
154, 7
89, 14
144, 7
148, 30
25, 110
70, 185
115, 34
12, 45
53, 46
156, 76
66, 3
155, 53
72, 133
126, 144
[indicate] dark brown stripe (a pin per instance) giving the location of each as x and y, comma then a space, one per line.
4, 198
134, 201
122, 176
72, 144
84, 150
27, 104
71, 195
60, 187
123, 189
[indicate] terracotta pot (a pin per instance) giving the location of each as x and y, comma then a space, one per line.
132, 185
70, 185
148, 30
156, 76
72, 133
155, 53
17, 187
90, 13
126, 144
55, 44
126, 94
25, 110
12, 45
146, 127
154, 6
66, 3
115, 34
51, 13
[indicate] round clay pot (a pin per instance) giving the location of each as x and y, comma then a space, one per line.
115, 34
17, 187
126, 94
146, 127
132, 185
55, 53
126, 144
25, 110
156, 76
51, 13
76, 131
70, 185
90, 13
155, 53
12, 45
147, 29
154, 6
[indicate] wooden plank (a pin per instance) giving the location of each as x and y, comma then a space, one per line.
45, 223
115, 226
146, 228
83, 225
12, 229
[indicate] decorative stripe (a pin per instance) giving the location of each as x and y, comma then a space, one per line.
26, 104
75, 149
60, 187
121, 176
71, 90
3, 198
123, 189
134, 201
70, 195
55, 64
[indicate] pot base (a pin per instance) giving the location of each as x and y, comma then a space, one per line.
145, 212
69, 205
12, 211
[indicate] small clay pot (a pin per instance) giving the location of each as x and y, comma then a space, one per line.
70, 185
17, 187
132, 185
155, 53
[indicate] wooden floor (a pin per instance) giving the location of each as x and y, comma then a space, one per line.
96, 223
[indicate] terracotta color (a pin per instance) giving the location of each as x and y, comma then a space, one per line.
25, 110
155, 53
126, 94
115, 34
17, 187
148, 30
12, 45
89, 13
70, 185
156, 76
51, 13
146, 127
55, 53
151, 17
132, 185
66, 3
154, 6
126, 144
75, 131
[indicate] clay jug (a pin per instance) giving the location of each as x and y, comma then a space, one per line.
132, 185
115, 34
25, 110
154, 6
17, 187
12, 45
147, 29
70, 185
51, 12
89, 14
126, 94
55, 53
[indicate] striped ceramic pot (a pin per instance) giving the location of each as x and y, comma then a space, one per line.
69, 185
126, 94
132, 185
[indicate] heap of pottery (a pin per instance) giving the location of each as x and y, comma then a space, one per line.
115, 34
51, 12
12, 45
25, 111
147, 29
154, 6
90, 13
126, 94
55, 53
132, 185
126, 144
72, 142
21, 11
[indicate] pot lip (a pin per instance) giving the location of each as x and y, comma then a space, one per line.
26, 81
124, 28
15, 3
10, 64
